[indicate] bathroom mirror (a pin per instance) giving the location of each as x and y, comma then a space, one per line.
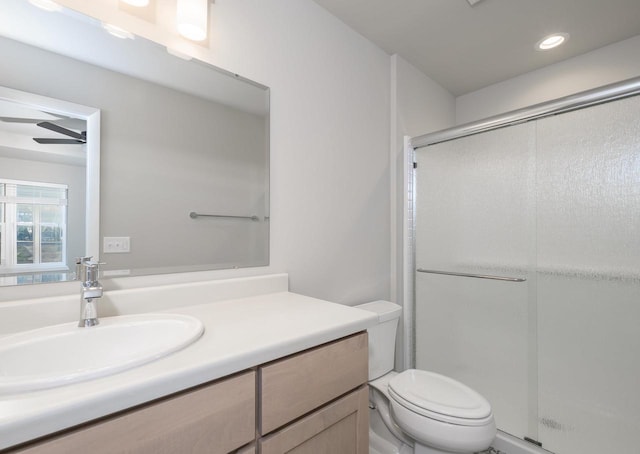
184, 146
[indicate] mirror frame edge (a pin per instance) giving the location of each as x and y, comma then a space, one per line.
92, 185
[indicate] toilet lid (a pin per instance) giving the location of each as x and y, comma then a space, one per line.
436, 393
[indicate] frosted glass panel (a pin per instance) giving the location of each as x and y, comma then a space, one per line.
476, 332
589, 279
589, 190
589, 344
556, 201
474, 214
467, 192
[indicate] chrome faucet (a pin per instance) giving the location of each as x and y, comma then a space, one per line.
87, 272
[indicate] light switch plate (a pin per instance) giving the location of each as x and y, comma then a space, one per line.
116, 244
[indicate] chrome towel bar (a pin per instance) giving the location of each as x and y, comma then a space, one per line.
478, 276
194, 215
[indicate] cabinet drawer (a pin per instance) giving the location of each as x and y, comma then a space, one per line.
294, 386
342, 427
216, 418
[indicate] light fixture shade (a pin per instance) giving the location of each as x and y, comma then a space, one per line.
192, 18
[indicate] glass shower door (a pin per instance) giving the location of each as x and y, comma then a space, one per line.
589, 279
475, 200
555, 201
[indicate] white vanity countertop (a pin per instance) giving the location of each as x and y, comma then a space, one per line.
239, 334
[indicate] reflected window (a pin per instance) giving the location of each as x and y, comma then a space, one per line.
33, 226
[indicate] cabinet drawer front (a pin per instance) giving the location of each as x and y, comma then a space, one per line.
216, 418
296, 385
341, 427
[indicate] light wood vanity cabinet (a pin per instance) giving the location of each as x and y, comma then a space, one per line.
313, 402
316, 401
217, 418
341, 427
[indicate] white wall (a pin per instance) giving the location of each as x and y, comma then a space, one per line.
330, 214
423, 106
329, 143
603, 66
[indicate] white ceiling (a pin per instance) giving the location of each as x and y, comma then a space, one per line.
465, 48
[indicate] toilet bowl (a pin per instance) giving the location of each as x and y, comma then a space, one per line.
434, 413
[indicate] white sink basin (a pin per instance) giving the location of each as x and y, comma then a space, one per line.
62, 354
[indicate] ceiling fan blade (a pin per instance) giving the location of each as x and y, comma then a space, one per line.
59, 141
59, 129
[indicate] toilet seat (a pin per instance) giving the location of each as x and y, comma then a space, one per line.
440, 398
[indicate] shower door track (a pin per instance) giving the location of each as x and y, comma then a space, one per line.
606, 93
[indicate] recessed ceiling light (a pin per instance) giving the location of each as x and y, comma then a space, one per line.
551, 41
138, 3
117, 31
47, 5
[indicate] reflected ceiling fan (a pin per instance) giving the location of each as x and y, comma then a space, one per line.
61, 125
76, 137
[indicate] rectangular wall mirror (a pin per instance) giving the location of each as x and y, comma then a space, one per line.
183, 173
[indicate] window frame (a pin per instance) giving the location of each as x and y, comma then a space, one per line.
9, 201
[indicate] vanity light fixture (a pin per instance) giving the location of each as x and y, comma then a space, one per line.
552, 41
138, 3
118, 32
47, 5
192, 18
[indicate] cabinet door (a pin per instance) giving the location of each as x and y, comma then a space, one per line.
213, 419
299, 384
341, 427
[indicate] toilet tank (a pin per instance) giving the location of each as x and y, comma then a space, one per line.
382, 337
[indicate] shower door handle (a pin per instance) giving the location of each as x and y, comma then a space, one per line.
477, 276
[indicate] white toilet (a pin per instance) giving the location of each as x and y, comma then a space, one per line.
433, 413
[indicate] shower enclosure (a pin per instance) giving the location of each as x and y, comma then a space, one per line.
527, 255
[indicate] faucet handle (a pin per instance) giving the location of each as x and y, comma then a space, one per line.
81, 270
92, 270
